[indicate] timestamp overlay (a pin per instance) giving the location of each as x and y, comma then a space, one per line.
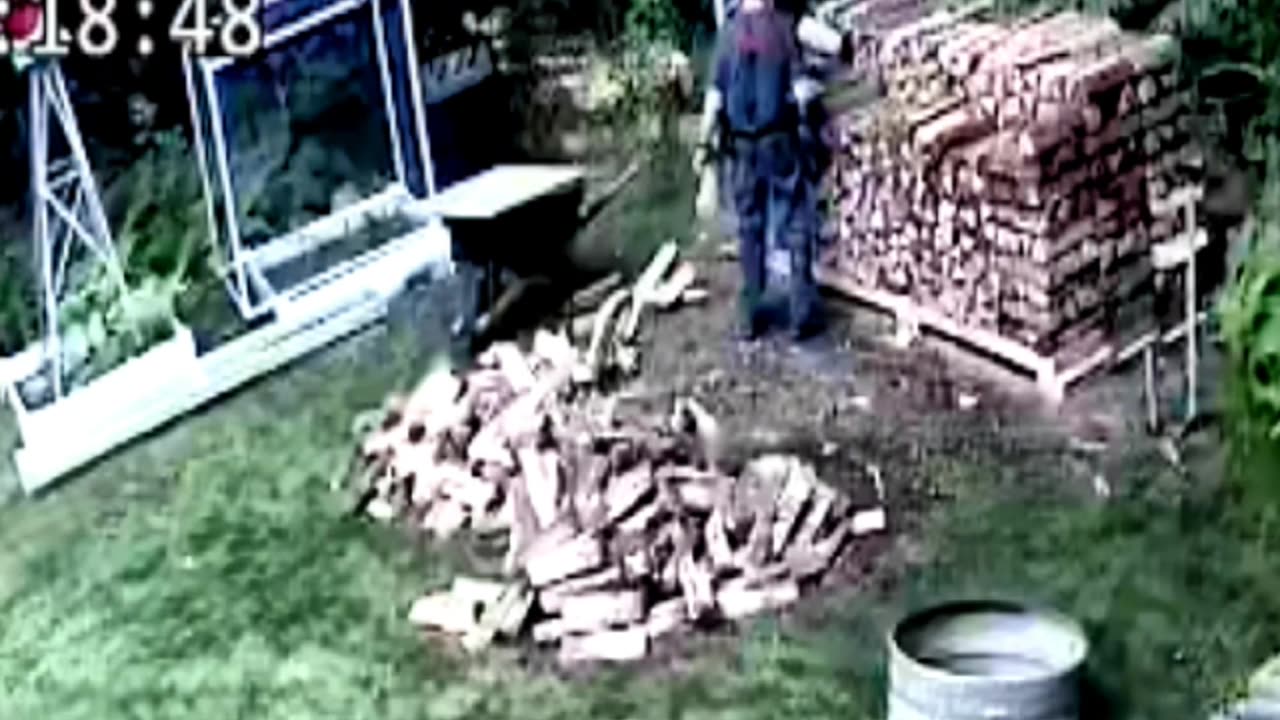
136, 28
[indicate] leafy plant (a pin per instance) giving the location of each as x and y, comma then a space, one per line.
102, 327
654, 22
1249, 316
19, 304
165, 229
162, 248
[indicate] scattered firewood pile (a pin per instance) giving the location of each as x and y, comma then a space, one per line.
1015, 176
615, 533
606, 315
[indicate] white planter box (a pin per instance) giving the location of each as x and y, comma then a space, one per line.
212, 374
163, 369
23, 365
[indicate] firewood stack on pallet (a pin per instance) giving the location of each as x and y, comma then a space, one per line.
1014, 178
615, 533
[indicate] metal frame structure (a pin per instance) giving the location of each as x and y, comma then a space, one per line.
414, 175
68, 209
332, 303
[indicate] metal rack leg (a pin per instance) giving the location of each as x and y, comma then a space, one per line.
1193, 350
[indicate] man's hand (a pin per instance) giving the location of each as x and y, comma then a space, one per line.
846, 48
701, 154
708, 125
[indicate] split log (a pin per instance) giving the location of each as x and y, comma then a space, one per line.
867, 522
1101, 76
815, 558
695, 578
505, 617
953, 128
552, 597
542, 483
795, 493
444, 611
602, 609
738, 600
626, 491
665, 617
554, 348
719, 549
672, 291
593, 295
562, 560
609, 646
603, 331
646, 288
477, 591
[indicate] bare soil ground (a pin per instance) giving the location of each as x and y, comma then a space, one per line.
862, 400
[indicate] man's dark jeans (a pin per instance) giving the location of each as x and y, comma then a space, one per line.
768, 193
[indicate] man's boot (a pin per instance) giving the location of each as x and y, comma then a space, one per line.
751, 255
805, 316
749, 325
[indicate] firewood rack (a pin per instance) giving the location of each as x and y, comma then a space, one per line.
1178, 254
1054, 375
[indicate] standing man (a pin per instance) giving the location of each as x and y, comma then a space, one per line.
753, 104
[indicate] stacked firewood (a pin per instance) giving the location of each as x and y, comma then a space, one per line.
615, 532
869, 22
1013, 178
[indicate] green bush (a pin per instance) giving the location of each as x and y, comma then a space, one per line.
19, 302
163, 248
1249, 314
654, 22
165, 229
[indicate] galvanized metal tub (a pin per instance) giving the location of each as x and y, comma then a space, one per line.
985, 661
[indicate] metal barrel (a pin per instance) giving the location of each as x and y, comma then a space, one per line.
985, 661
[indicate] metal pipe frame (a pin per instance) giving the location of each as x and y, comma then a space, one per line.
244, 303
61, 223
388, 93
419, 105
202, 157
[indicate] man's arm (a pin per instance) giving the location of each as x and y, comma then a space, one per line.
798, 79
712, 103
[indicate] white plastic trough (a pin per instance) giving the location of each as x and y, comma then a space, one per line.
169, 364
170, 380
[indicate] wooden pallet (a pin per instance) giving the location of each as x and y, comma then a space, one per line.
1053, 374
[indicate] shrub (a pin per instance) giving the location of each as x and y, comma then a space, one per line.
1249, 314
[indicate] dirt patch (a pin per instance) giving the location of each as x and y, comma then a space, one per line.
862, 402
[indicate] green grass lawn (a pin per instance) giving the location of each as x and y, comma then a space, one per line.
210, 572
